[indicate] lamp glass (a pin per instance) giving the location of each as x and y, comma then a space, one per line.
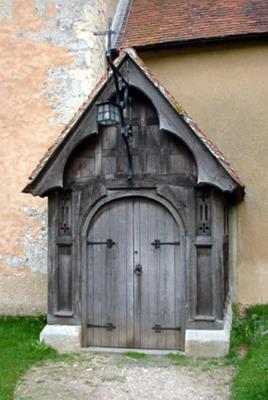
108, 113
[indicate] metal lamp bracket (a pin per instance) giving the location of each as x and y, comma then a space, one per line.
122, 97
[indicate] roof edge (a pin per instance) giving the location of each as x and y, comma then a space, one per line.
198, 41
119, 19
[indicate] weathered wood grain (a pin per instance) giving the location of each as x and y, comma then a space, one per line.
134, 302
180, 285
154, 153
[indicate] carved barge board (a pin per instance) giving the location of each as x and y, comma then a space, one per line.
210, 164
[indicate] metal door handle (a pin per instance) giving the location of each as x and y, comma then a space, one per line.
138, 269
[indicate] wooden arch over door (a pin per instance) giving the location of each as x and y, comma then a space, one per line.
133, 274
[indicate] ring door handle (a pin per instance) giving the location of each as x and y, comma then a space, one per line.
138, 270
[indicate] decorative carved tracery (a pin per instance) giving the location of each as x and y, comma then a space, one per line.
65, 213
203, 213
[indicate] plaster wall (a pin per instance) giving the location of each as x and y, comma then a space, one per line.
225, 90
50, 60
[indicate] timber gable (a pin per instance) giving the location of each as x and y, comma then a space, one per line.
172, 118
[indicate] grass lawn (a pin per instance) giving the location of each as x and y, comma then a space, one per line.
19, 349
251, 330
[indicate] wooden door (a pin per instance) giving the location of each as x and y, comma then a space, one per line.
135, 284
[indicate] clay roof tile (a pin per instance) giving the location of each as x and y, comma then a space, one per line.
149, 22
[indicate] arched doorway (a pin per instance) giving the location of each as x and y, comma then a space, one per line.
135, 286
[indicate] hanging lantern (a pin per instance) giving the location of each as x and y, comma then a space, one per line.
108, 113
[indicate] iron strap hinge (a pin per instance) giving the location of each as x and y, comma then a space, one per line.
109, 326
157, 243
109, 243
158, 328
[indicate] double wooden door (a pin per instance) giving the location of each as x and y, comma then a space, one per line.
135, 276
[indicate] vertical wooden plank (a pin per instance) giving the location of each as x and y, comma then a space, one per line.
120, 292
107, 283
64, 278
76, 255
52, 251
130, 274
143, 247
115, 273
164, 152
169, 264
137, 278
97, 282
142, 140
161, 254
98, 155
152, 164
190, 254
90, 280
178, 285
176, 163
153, 276
121, 158
109, 137
153, 158
124, 278
218, 256
110, 231
204, 305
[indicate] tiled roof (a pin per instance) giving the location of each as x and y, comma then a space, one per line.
151, 22
173, 102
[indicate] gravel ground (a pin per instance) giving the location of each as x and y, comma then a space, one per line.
92, 376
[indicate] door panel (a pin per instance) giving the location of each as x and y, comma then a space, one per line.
160, 279
118, 293
110, 276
